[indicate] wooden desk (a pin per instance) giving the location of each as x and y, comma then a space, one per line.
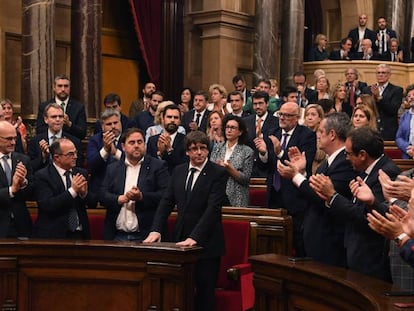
95, 275
310, 286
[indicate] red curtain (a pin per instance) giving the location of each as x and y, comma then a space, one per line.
147, 20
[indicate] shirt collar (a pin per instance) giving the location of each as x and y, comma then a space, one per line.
198, 168
127, 163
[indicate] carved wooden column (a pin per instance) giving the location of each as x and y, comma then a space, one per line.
267, 39
85, 65
38, 53
292, 39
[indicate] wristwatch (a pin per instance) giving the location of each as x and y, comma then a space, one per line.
400, 238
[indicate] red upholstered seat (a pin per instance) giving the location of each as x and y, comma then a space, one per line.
235, 289
257, 197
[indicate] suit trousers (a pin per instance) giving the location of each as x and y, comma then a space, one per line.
206, 276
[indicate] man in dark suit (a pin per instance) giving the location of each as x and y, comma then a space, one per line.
75, 115
367, 251
281, 192
135, 184
388, 97
198, 192
259, 126
236, 102
239, 83
144, 119
113, 101
354, 34
383, 36
197, 118
169, 145
323, 234
142, 103
62, 195
305, 95
38, 148
104, 148
344, 53
16, 182
353, 85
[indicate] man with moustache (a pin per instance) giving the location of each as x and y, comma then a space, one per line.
281, 192
132, 189
142, 103
16, 182
197, 118
145, 119
169, 145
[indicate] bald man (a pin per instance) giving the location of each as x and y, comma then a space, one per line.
15, 186
281, 192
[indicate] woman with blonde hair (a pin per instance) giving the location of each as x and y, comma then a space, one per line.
322, 87
218, 95
214, 128
318, 52
274, 88
313, 117
340, 98
363, 116
18, 124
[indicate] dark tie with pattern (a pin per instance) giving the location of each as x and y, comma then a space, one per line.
276, 177
198, 119
7, 168
73, 215
189, 185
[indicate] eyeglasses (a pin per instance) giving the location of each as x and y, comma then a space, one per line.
10, 138
70, 154
382, 72
197, 149
232, 128
285, 115
350, 153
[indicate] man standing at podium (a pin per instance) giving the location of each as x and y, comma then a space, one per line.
198, 191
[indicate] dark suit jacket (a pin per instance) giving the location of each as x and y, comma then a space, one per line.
270, 125
188, 117
289, 196
199, 217
17, 204
96, 164
360, 56
177, 156
311, 96
389, 32
336, 55
367, 251
323, 234
55, 202
354, 35
35, 153
388, 110
126, 123
76, 112
152, 182
144, 120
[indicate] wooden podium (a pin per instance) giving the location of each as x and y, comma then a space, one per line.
95, 275
281, 284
